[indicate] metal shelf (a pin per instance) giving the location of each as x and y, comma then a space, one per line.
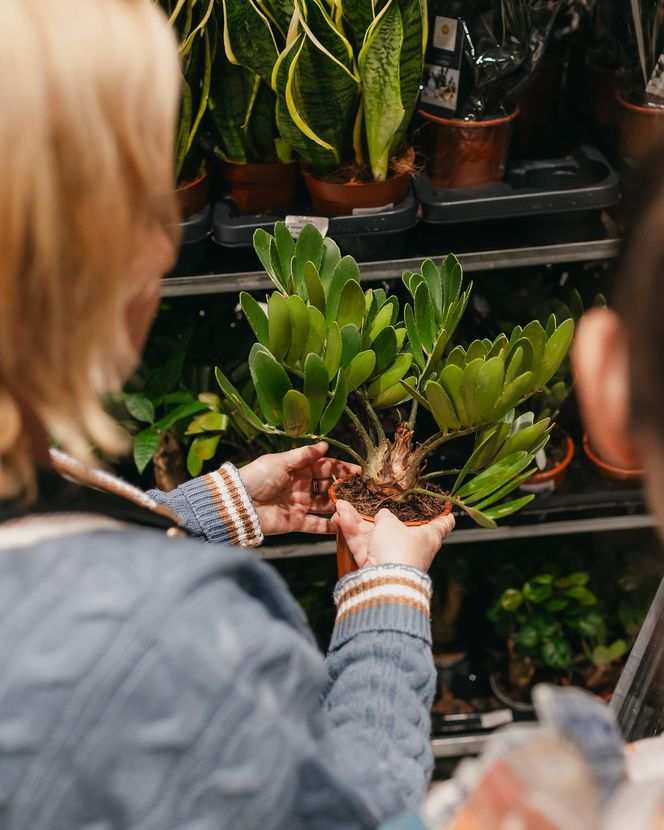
478, 535
458, 746
232, 283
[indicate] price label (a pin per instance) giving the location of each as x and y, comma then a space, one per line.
296, 223
492, 720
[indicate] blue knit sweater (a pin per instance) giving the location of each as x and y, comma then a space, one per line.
161, 683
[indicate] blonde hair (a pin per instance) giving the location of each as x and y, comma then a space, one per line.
89, 100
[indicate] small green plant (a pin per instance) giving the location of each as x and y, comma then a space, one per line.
326, 350
346, 74
556, 624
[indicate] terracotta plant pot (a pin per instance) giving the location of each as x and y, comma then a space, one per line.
466, 153
602, 92
538, 104
517, 706
641, 129
193, 196
345, 562
261, 188
342, 198
547, 481
609, 471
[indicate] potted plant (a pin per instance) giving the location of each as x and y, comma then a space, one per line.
555, 630
479, 59
606, 468
327, 349
256, 164
347, 83
194, 22
641, 100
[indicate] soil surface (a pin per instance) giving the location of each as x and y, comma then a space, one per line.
556, 450
418, 507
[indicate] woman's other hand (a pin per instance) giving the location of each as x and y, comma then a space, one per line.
289, 488
387, 541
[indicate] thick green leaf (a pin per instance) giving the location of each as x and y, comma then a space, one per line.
457, 357
508, 488
185, 410
555, 351
266, 251
256, 318
415, 33
280, 11
316, 385
279, 325
433, 279
271, 383
308, 248
478, 517
493, 477
528, 439
514, 393
351, 343
451, 379
534, 333
314, 286
205, 447
476, 350
194, 461
335, 408
234, 396
603, 655
413, 336
297, 415
497, 435
140, 407
285, 248
360, 369
391, 376
351, 305
490, 386
582, 595
511, 599
356, 16
401, 338
331, 258
441, 407
333, 350
345, 271
146, 444
385, 347
451, 275
208, 422
426, 325
382, 320
317, 332
299, 324
379, 65
395, 395
557, 653
508, 508
470, 391
436, 355
248, 38
499, 347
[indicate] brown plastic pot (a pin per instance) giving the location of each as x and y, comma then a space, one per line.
345, 562
538, 104
641, 129
609, 471
547, 481
261, 188
466, 153
193, 196
602, 90
342, 198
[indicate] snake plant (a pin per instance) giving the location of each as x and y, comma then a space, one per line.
327, 349
344, 76
243, 103
195, 24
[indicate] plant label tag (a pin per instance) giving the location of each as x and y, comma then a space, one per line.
442, 70
492, 720
296, 223
369, 211
540, 488
655, 87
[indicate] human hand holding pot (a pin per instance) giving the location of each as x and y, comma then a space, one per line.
289, 488
387, 541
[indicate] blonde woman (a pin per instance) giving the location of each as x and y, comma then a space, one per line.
148, 680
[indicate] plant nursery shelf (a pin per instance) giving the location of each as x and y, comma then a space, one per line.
232, 283
459, 746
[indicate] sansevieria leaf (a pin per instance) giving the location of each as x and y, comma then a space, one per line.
356, 17
248, 38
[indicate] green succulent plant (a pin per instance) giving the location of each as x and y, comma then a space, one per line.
346, 74
327, 349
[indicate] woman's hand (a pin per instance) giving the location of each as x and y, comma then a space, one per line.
387, 541
288, 487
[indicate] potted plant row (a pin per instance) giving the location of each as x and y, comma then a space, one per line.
328, 351
335, 87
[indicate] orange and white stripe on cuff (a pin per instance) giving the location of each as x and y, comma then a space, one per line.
234, 506
380, 585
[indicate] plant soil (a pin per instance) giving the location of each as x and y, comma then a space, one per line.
556, 450
600, 683
418, 507
356, 174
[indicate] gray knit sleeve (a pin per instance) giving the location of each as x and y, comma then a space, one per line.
216, 507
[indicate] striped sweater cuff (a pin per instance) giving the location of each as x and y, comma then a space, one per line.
384, 597
224, 508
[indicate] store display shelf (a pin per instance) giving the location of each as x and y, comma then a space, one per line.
490, 260
459, 746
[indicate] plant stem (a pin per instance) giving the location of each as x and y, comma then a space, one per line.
439, 474
438, 440
364, 435
413, 415
340, 445
375, 420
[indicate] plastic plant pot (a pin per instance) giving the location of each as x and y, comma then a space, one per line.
641, 129
193, 196
466, 153
602, 92
330, 198
538, 104
547, 481
517, 706
345, 562
261, 188
609, 471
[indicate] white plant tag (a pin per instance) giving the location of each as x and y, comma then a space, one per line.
492, 720
369, 211
296, 223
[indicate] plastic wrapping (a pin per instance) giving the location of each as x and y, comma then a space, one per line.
482, 53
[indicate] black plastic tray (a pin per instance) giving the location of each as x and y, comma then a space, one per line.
582, 181
363, 236
195, 235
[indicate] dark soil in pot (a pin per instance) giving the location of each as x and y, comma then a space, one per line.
559, 455
261, 188
419, 508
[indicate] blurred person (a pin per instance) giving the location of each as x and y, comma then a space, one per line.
148, 680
